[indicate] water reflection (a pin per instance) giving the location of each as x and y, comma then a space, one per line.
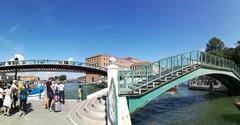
188, 107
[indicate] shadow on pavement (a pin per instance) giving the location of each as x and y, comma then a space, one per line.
16, 110
232, 117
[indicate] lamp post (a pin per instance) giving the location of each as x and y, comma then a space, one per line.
15, 62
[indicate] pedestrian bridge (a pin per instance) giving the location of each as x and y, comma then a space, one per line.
142, 85
50, 66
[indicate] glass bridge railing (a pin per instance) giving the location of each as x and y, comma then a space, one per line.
47, 62
134, 79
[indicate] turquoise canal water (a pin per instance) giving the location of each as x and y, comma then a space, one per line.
188, 107
71, 90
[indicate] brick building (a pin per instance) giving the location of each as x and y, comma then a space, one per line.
102, 60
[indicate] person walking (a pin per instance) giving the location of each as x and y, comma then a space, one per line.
15, 94
61, 92
23, 92
7, 100
211, 89
50, 94
1, 98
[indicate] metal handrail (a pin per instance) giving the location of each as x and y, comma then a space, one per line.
48, 62
170, 63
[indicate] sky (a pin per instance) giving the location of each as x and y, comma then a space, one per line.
144, 29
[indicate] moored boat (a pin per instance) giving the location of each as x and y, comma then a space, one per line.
237, 103
172, 90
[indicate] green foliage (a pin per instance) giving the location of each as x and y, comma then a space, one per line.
228, 52
62, 77
238, 43
236, 55
216, 47
217, 53
214, 44
56, 77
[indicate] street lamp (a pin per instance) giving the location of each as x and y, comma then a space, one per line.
16, 62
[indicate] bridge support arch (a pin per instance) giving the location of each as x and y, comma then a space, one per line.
227, 77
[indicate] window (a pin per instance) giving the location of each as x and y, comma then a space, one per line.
92, 79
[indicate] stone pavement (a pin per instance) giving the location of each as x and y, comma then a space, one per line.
39, 116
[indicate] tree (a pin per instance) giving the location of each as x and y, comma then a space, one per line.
214, 44
228, 52
236, 54
56, 77
217, 53
62, 77
238, 43
216, 47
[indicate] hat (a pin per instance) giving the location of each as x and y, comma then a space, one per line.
23, 83
14, 81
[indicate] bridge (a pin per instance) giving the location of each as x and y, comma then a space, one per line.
50, 66
129, 90
142, 85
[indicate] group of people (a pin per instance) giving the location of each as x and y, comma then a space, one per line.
53, 92
9, 96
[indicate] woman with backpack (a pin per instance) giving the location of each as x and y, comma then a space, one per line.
23, 92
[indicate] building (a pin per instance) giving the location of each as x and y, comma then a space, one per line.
28, 78
7, 77
102, 60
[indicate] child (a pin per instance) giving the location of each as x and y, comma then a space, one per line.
79, 92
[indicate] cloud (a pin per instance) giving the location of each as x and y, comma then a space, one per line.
13, 44
70, 59
17, 55
11, 30
203, 49
9, 43
5, 41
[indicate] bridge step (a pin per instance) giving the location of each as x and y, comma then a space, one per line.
168, 78
157, 83
90, 112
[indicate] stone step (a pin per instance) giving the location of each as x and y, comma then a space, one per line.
96, 112
97, 104
150, 86
144, 89
102, 100
167, 78
162, 80
96, 107
72, 116
84, 114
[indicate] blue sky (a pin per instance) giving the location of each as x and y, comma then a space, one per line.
144, 29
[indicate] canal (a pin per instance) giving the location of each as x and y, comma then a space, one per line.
188, 107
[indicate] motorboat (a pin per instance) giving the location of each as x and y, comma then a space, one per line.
237, 103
